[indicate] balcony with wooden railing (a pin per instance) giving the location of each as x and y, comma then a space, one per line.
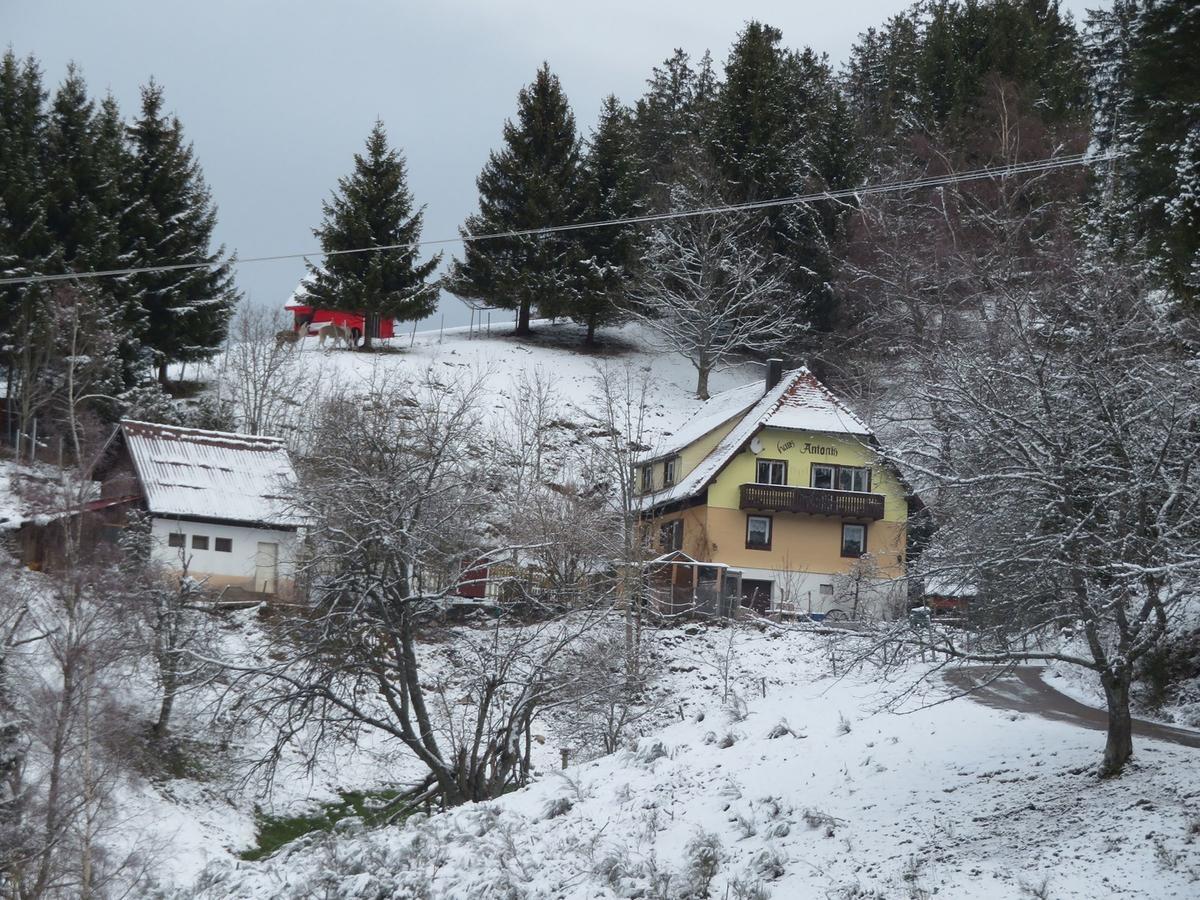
812, 501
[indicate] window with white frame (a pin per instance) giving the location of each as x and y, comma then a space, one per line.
854, 539
758, 532
841, 478
771, 471
669, 472
647, 479
853, 478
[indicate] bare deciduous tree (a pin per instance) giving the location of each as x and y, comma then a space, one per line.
1062, 470
603, 706
858, 589
270, 382
617, 430
403, 497
707, 289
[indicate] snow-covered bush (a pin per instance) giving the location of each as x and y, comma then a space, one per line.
702, 860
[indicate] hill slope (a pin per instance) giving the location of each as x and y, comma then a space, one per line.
813, 790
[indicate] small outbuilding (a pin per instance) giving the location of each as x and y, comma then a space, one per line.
219, 504
948, 597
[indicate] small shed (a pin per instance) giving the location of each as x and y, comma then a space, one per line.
220, 505
307, 319
677, 584
948, 596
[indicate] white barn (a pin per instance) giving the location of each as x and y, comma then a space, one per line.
219, 503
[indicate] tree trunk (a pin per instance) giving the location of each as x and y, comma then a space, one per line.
54, 811
523, 319
166, 707
162, 372
1119, 746
368, 331
702, 382
590, 340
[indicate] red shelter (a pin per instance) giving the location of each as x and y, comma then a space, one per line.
308, 319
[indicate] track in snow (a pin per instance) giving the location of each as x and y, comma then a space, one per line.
1023, 690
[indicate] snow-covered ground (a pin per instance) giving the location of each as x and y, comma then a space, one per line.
806, 785
815, 790
554, 353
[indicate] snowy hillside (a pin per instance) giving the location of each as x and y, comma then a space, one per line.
813, 790
553, 354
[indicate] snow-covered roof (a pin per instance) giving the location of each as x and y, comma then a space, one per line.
718, 410
299, 296
949, 586
798, 403
807, 405
192, 473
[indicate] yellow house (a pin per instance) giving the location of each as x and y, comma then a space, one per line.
777, 491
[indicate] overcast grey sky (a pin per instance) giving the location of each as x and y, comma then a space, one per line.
276, 96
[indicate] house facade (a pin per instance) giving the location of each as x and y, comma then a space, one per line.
783, 491
219, 505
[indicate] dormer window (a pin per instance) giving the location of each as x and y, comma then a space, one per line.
669, 472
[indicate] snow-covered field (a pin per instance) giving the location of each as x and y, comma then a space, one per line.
554, 353
815, 790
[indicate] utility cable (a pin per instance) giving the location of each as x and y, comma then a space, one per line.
1041, 165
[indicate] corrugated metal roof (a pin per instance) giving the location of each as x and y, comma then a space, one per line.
212, 474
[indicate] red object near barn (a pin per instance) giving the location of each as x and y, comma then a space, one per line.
308, 319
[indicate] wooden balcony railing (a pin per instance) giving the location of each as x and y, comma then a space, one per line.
813, 501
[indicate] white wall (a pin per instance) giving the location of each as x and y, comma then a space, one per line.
801, 592
237, 568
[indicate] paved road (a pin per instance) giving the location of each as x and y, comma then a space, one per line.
1023, 690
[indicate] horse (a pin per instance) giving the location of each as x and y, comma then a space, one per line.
339, 334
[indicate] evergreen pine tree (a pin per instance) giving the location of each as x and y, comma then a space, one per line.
120, 208
73, 179
611, 190
774, 136
373, 207
186, 311
26, 243
673, 122
532, 181
83, 214
1146, 100
1164, 111
882, 85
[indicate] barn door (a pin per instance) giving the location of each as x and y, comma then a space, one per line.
266, 567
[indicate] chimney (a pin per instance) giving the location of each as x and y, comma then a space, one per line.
774, 373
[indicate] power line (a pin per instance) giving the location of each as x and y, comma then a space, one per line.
1041, 165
